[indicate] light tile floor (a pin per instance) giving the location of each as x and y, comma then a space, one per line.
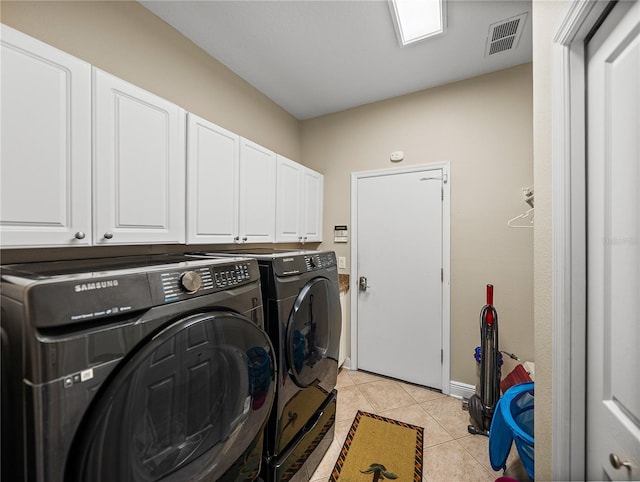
450, 452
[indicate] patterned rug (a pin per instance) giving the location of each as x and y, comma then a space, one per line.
379, 448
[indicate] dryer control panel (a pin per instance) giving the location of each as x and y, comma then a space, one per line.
303, 263
176, 285
320, 260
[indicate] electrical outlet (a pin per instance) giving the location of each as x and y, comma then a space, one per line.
342, 262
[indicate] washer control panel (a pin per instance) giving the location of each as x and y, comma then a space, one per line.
231, 277
178, 285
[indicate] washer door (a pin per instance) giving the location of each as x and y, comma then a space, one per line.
313, 332
189, 404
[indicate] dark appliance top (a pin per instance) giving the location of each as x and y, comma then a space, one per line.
284, 263
66, 292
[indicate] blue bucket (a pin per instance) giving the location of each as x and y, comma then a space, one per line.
513, 422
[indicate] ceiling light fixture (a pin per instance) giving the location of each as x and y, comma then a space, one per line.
417, 20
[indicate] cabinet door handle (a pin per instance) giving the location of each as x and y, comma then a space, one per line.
244, 240
236, 239
108, 235
80, 235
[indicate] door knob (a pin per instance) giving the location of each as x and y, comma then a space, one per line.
108, 235
362, 283
80, 235
616, 463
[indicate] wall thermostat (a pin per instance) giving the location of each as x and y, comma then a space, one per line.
340, 234
397, 156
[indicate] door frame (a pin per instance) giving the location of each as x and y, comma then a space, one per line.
569, 267
446, 260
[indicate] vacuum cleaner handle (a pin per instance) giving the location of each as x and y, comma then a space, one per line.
489, 317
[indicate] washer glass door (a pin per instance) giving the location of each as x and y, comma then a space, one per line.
189, 404
313, 333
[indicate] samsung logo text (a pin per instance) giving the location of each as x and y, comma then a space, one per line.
96, 286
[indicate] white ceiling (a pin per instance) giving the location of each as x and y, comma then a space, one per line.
317, 57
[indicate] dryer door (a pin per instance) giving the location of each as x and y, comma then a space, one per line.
313, 335
188, 404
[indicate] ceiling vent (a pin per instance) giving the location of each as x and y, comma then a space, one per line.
505, 35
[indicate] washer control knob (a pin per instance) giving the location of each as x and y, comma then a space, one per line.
190, 281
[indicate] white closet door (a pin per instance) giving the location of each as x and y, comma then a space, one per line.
46, 145
139, 165
613, 247
212, 182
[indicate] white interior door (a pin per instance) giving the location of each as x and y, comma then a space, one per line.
400, 261
613, 319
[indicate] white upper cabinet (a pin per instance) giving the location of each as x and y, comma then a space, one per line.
299, 203
231, 187
288, 201
312, 190
139, 165
46, 145
88, 159
213, 167
257, 193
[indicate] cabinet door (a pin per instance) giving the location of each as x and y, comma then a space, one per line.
46, 145
289, 201
212, 182
139, 165
257, 193
312, 186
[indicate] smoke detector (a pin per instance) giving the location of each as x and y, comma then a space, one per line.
505, 35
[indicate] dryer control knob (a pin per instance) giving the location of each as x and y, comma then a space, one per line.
190, 281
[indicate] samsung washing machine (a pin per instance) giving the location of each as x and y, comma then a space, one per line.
134, 369
303, 318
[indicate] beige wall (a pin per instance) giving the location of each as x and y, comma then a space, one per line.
483, 126
125, 39
547, 16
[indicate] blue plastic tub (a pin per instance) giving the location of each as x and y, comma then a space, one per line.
513, 422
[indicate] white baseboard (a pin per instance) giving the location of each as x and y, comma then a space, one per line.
456, 389
461, 390
346, 364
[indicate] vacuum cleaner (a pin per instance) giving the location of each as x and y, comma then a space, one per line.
481, 407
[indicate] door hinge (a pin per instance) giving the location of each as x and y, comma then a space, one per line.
441, 356
442, 275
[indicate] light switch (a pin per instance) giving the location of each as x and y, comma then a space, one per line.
342, 262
